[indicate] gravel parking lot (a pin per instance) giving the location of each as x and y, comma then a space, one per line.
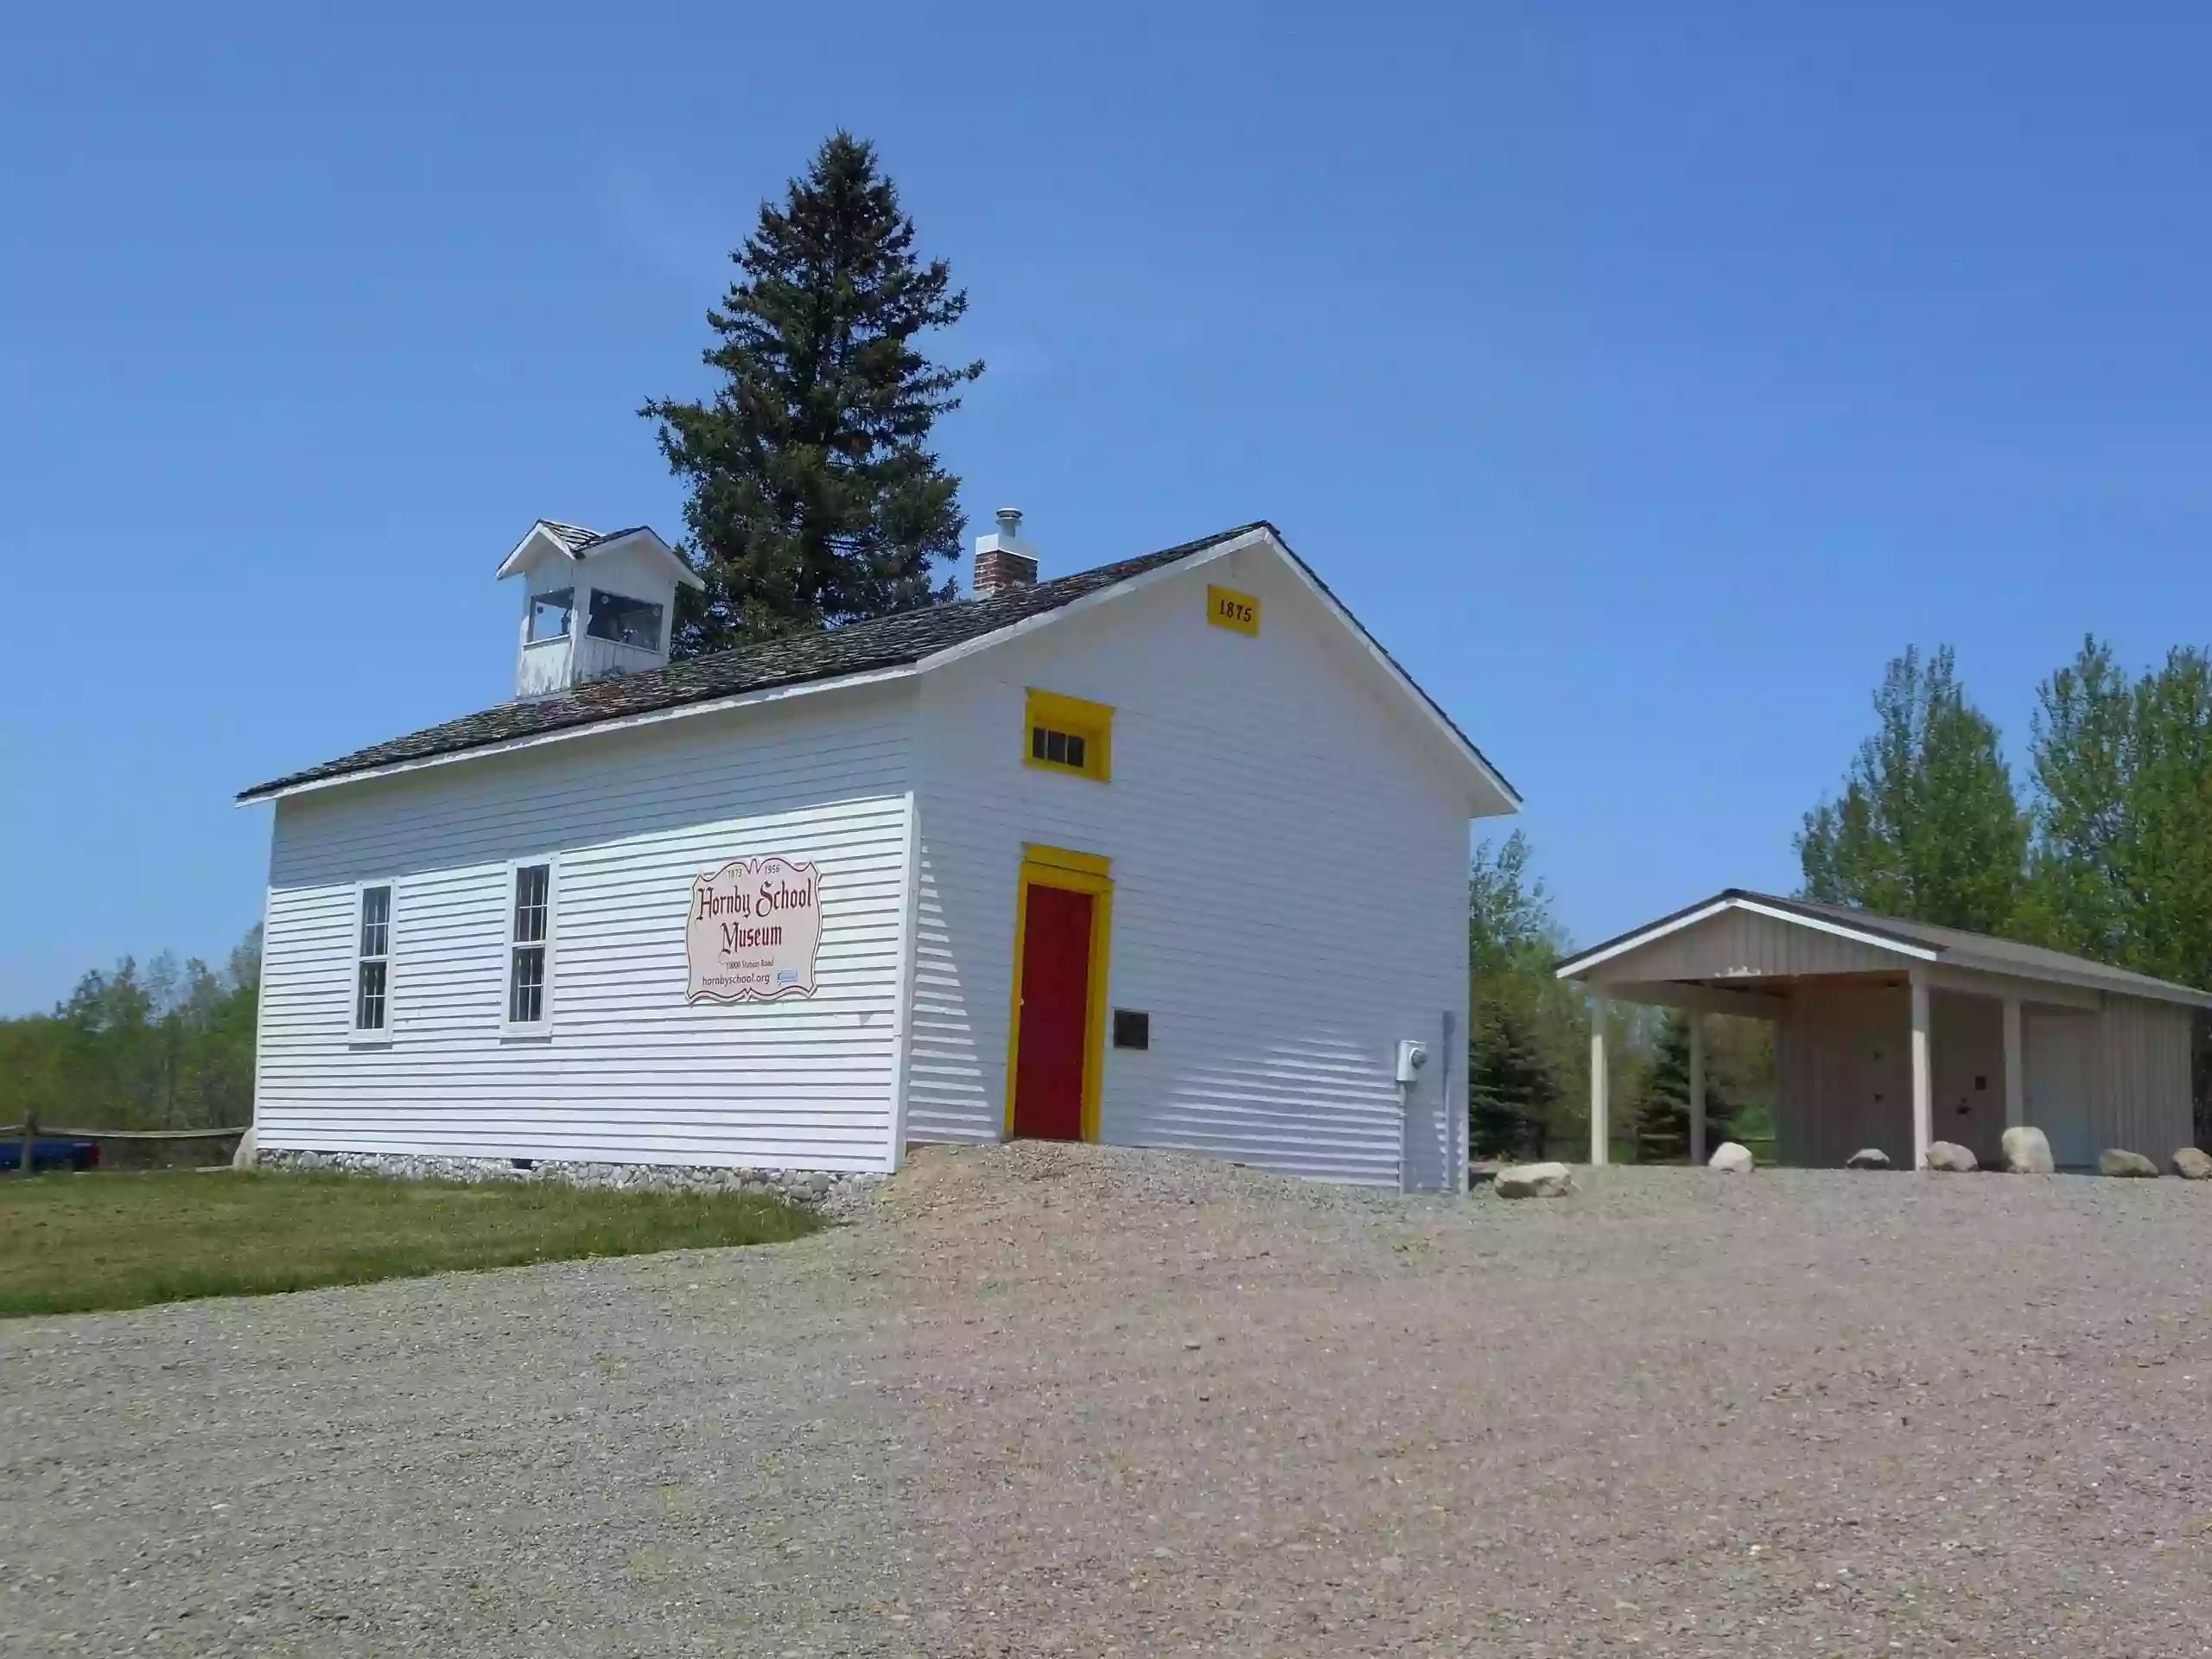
1062, 1400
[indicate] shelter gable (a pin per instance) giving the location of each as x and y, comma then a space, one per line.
1735, 942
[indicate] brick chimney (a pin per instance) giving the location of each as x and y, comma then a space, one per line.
1003, 561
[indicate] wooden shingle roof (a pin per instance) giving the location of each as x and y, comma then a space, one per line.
861, 647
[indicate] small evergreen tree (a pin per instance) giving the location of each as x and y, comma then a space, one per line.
815, 499
1928, 827
1662, 1118
1515, 1018
1512, 1089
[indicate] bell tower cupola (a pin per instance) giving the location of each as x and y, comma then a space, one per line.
595, 606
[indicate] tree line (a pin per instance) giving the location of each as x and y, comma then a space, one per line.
813, 500
1528, 1038
2103, 848
157, 1045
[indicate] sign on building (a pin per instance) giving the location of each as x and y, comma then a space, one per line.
754, 930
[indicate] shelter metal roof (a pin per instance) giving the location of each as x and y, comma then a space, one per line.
1910, 940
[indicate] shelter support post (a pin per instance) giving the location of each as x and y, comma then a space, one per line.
1600, 1128
2016, 1073
1697, 1087
1923, 1080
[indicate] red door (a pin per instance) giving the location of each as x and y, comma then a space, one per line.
1055, 1005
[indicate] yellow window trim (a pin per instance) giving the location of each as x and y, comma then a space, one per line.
1092, 721
1074, 872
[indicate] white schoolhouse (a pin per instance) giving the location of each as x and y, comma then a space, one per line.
1169, 853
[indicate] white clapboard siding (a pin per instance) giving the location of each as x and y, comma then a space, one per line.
630, 1071
1290, 884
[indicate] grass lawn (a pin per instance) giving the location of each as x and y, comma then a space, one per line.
71, 1243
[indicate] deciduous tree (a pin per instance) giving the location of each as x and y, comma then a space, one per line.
1928, 826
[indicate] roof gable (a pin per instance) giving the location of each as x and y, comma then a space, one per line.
909, 642
549, 539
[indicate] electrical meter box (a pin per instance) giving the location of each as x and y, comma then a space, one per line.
1412, 1056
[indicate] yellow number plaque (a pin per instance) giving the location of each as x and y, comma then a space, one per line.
1227, 608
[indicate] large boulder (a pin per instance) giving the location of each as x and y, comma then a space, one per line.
1532, 1181
2192, 1165
1951, 1158
246, 1156
2117, 1162
1731, 1158
1868, 1158
2027, 1151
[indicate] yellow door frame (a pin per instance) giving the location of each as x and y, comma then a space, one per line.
1090, 873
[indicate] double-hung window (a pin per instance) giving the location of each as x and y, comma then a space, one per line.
530, 947
372, 963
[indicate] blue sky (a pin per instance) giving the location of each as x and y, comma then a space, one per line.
1644, 376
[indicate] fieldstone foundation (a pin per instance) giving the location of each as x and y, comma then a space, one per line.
832, 1193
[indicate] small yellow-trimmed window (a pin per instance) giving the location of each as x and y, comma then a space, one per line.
1070, 735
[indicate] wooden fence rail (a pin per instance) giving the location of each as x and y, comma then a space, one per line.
30, 1128
7, 1129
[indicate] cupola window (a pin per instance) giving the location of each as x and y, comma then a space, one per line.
627, 621
549, 614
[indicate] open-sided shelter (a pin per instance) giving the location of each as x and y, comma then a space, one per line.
1893, 1033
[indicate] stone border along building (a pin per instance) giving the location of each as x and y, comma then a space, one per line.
1169, 853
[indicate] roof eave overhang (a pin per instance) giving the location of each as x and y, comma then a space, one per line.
585, 728
1494, 797
2086, 979
533, 548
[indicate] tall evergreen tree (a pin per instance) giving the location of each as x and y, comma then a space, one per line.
815, 499
1927, 827
1662, 1117
1513, 1087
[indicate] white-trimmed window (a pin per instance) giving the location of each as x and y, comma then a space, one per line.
530, 946
372, 962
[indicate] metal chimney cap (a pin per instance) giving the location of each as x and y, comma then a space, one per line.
1010, 521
